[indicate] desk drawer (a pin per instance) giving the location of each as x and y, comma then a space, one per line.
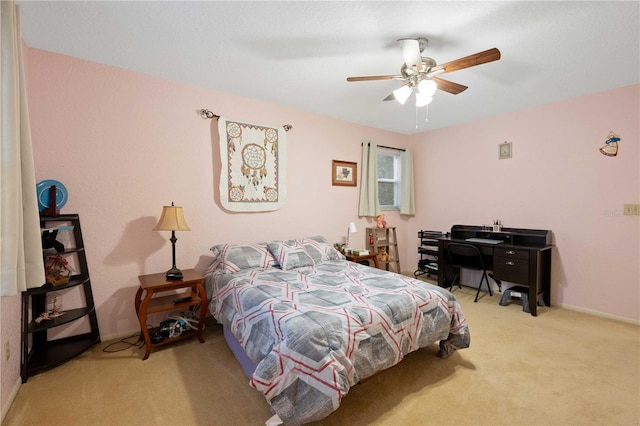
511, 269
518, 254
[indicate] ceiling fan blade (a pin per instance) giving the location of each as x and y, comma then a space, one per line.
375, 77
411, 53
468, 61
391, 97
449, 86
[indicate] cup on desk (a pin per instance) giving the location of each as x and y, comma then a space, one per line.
496, 228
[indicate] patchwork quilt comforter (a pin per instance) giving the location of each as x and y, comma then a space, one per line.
313, 332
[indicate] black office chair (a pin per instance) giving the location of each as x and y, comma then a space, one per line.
467, 256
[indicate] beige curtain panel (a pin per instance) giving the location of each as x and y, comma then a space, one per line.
369, 205
407, 199
21, 264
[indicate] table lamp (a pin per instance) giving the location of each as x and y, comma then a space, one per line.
350, 229
172, 219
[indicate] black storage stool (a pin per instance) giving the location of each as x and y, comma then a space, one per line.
524, 296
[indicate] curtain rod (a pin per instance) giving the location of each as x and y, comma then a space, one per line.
205, 113
388, 147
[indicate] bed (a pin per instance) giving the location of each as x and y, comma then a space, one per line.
307, 325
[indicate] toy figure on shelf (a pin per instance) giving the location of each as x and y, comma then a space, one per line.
54, 308
380, 222
383, 256
58, 270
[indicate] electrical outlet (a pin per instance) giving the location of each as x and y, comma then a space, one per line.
632, 209
7, 351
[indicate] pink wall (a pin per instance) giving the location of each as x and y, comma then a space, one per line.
125, 144
557, 180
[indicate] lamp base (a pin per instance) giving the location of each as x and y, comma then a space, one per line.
174, 274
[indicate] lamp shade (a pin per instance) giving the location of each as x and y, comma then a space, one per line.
402, 94
351, 228
427, 87
172, 219
422, 100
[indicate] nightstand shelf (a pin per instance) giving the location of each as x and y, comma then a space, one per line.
165, 303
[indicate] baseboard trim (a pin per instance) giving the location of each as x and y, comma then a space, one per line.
12, 397
597, 313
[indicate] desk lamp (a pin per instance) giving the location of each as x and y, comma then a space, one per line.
172, 219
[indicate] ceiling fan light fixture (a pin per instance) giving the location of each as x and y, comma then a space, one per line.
402, 94
427, 87
423, 99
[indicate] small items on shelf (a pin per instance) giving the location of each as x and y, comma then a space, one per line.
383, 241
58, 270
50, 243
383, 255
342, 248
356, 252
54, 308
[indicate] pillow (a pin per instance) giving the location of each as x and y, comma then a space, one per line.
290, 254
320, 249
236, 257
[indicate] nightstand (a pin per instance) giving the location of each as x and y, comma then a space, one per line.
149, 300
370, 256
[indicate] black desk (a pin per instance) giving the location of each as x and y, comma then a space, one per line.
522, 257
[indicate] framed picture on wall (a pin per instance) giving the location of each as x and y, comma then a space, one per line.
504, 150
344, 173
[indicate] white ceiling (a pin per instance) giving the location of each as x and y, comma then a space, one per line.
299, 53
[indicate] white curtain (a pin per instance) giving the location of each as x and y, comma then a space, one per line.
21, 264
407, 203
369, 205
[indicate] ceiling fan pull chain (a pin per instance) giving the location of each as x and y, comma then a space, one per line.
416, 117
426, 114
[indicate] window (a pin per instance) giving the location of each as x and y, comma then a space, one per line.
389, 179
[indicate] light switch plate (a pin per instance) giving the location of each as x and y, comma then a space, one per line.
632, 209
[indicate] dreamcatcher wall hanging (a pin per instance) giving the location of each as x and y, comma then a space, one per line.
253, 175
610, 149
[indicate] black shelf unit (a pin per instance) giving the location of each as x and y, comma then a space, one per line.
38, 352
428, 250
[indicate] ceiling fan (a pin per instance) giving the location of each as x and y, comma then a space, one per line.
420, 73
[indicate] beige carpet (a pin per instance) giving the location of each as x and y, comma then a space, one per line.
560, 368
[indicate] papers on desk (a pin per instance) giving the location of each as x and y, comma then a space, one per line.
483, 240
